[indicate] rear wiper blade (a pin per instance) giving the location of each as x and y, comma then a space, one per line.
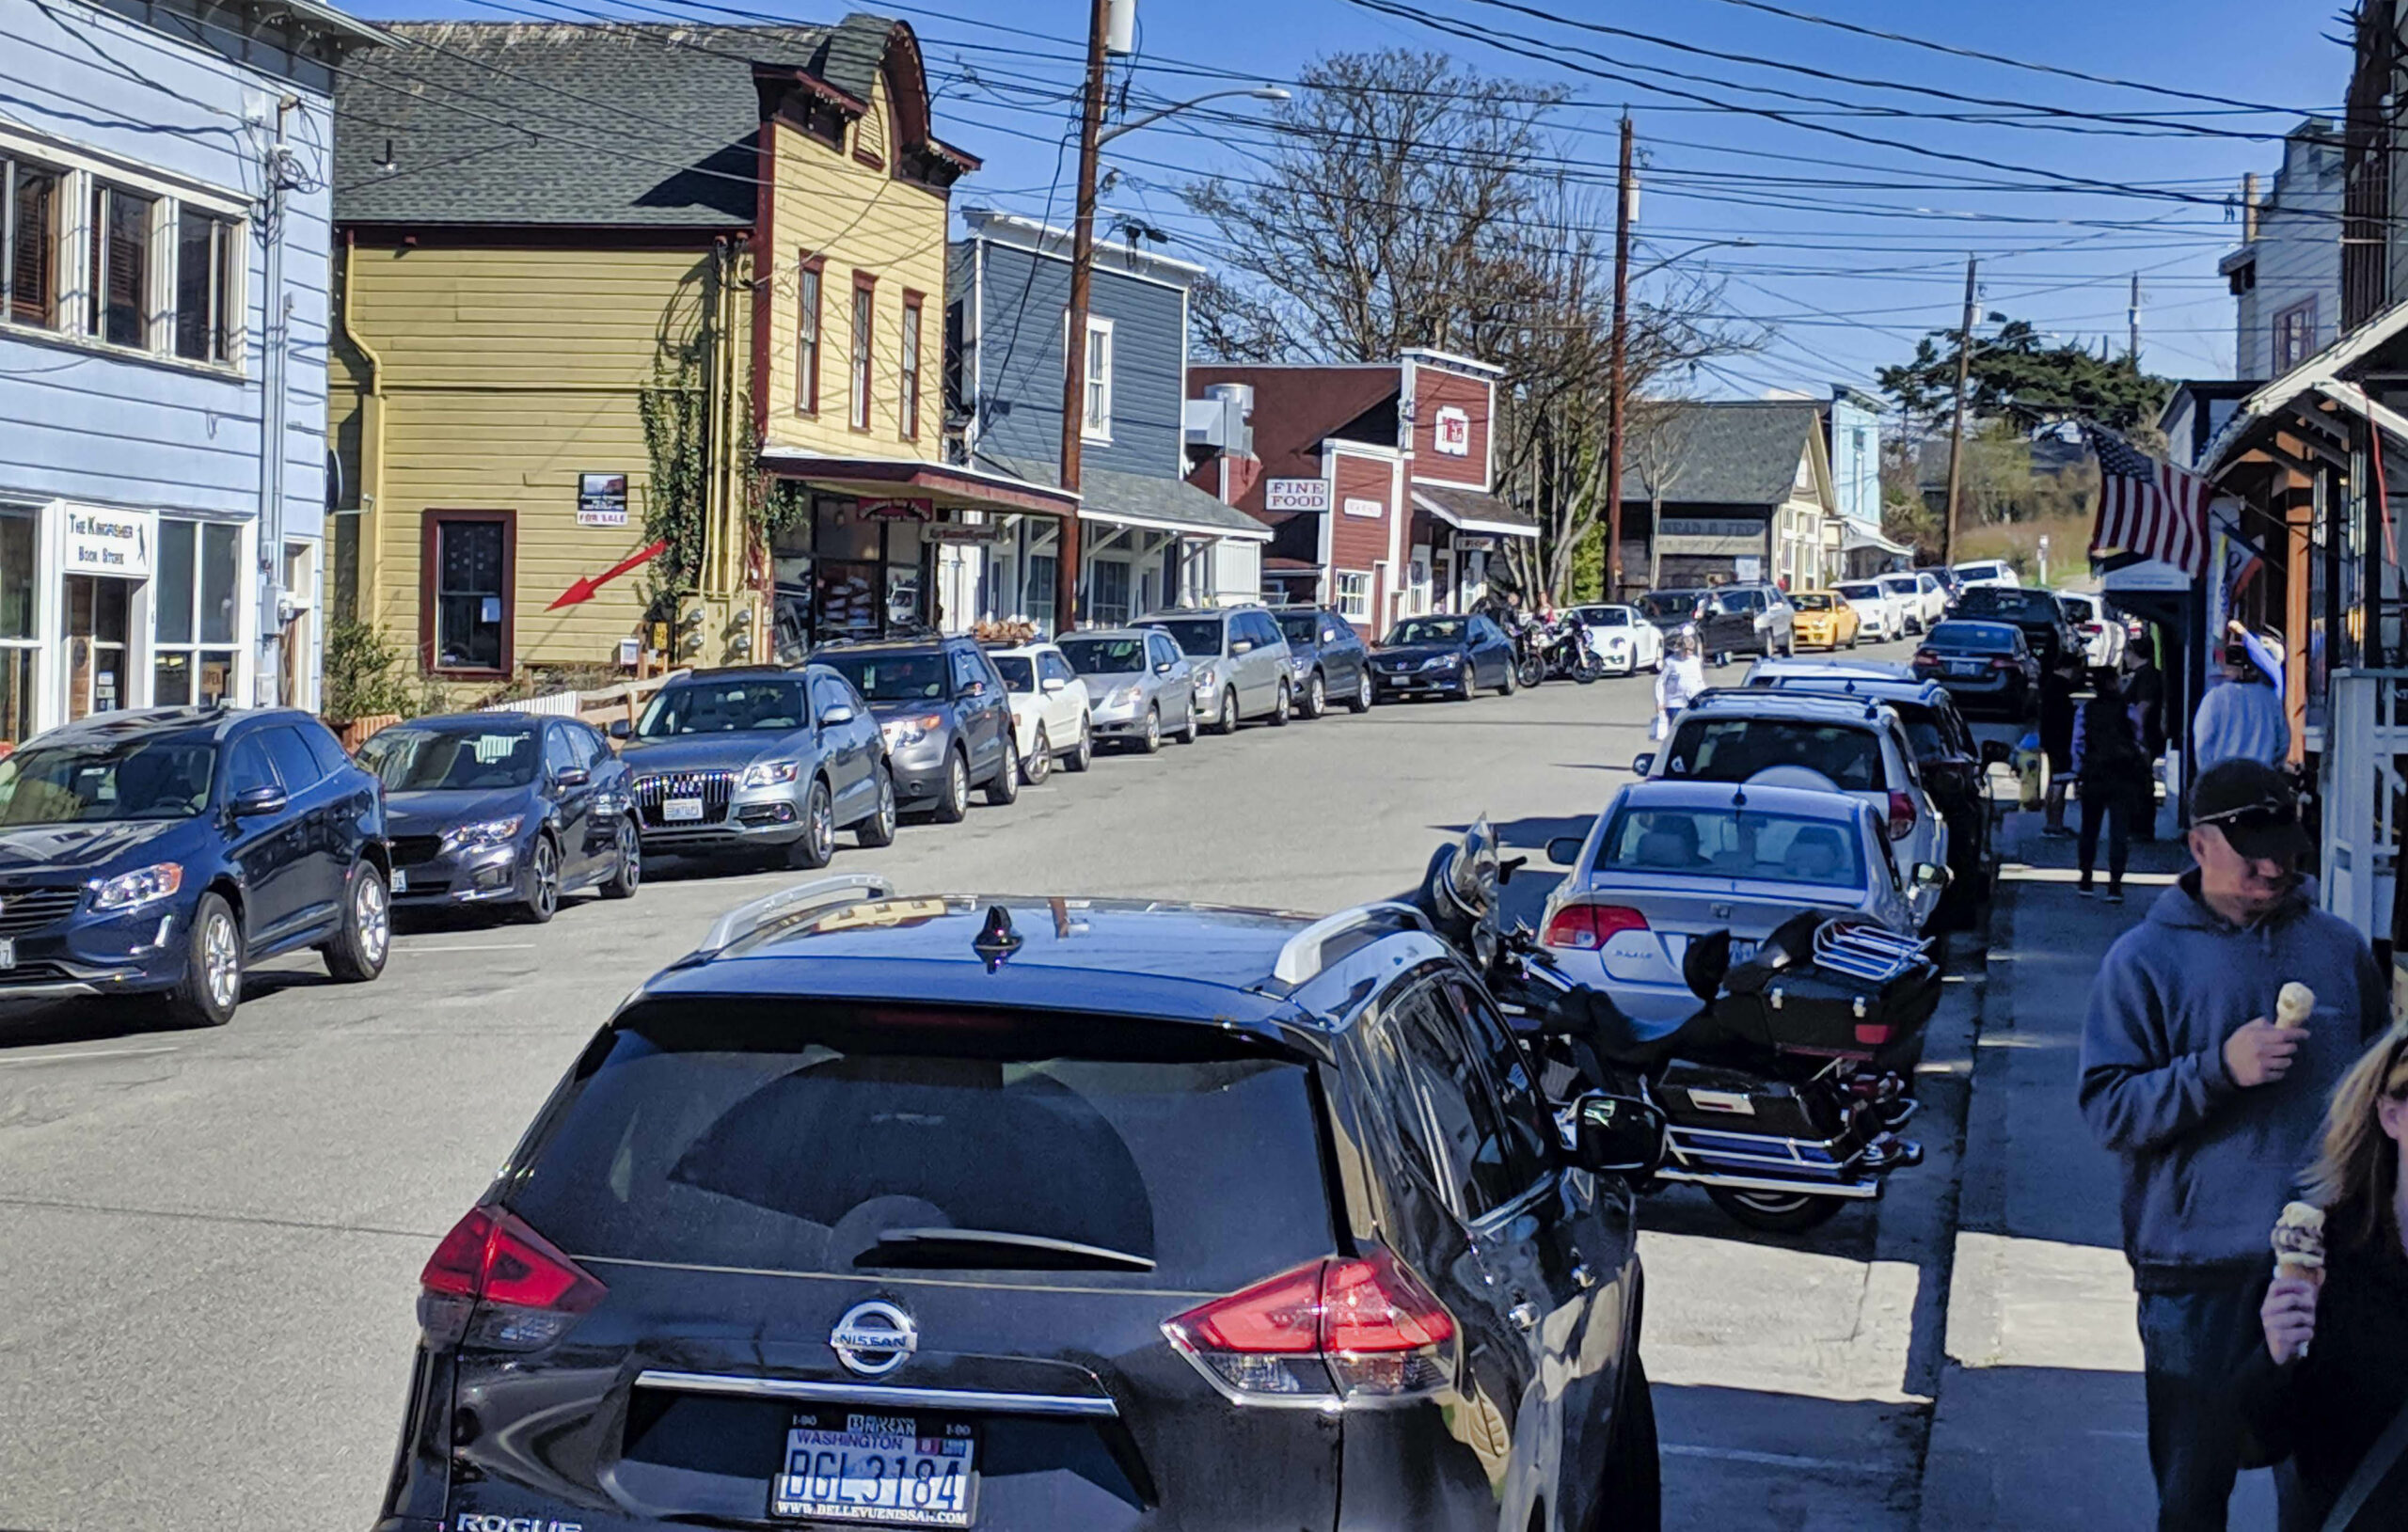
996, 1248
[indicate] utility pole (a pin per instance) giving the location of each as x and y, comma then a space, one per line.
1621, 383
1074, 359
1957, 429
2134, 315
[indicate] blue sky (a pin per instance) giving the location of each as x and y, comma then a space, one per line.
1846, 276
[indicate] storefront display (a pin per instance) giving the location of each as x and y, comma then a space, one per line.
841, 573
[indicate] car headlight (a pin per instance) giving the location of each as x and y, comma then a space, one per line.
770, 773
1442, 662
130, 891
900, 731
1299, 663
487, 833
1124, 696
1207, 678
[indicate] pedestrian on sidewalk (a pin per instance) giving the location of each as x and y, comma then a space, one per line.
2113, 774
1678, 682
2214, 1110
2325, 1406
2056, 743
2242, 719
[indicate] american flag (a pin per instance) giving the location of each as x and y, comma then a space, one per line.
2148, 507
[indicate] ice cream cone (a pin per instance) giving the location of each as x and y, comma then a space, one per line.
2308, 1269
2294, 1006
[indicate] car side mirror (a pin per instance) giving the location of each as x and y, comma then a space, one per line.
1564, 850
1618, 1135
619, 728
1163, 669
1242, 646
1995, 753
1642, 764
572, 777
1930, 875
838, 714
976, 688
258, 800
1054, 684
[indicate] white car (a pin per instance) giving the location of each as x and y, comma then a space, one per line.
1625, 641
1879, 615
1987, 572
2104, 637
1920, 595
1790, 738
1052, 718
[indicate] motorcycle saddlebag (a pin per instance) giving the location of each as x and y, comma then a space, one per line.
1823, 1013
1734, 1101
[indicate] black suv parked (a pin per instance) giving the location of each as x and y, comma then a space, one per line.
163, 852
1049, 1215
945, 713
1329, 659
2054, 641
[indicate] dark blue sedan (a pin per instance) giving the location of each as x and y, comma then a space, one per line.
506, 810
1443, 656
161, 852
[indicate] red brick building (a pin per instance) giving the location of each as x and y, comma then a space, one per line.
1377, 482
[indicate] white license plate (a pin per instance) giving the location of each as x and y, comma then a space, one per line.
8, 952
844, 1465
1966, 667
682, 810
400, 881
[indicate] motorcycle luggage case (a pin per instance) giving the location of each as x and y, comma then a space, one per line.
1734, 1101
1826, 1013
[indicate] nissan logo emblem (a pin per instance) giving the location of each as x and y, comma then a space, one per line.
874, 1338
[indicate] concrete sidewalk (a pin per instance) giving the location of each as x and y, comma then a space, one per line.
2039, 1420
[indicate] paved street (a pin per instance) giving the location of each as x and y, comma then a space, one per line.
209, 1242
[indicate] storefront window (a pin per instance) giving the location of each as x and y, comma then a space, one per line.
1108, 593
20, 650
194, 623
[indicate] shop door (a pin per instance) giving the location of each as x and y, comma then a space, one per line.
98, 680
298, 641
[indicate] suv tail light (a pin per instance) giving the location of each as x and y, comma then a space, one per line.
1588, 927
1902, 815
1926, 659
512, 1285
1323, 1336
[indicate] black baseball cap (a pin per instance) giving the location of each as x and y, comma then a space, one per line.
2253, 804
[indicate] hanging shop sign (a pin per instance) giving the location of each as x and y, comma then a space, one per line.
1481, 543
960, 532
1301, 494
1452, 431
114, 543
602, 500
899, 509
1364, 507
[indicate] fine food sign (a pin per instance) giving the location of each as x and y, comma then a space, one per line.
117, 543
1282, 494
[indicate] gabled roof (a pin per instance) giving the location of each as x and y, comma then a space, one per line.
1165, 504
604, 125
1727, 451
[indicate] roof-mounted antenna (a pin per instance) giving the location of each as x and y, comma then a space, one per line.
996, 938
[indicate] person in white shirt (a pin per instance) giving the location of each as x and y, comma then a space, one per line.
1677, 683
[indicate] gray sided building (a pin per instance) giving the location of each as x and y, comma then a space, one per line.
1733, 490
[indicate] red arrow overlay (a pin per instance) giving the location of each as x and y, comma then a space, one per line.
585, 587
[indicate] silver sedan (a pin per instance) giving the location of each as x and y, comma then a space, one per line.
1141, 686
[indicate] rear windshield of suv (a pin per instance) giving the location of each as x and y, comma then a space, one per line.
1730, 843
888, 675
1197, 636
1105, 656
1668, 603
779, 1135
1734, 749
2002, 601
1299, 626
1981, 637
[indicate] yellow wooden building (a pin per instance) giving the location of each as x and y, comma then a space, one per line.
570, 273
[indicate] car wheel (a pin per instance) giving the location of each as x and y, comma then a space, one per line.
542, 900
1002, 788
212, 982
628, 864
1775, 1212
953, 803
1083, 757
1853, 637
1191, 732
1316, 696
816, 845
1362, 699
357, 952
1504, 687
1151, 740
1633, 1497
1228, 721
879, 829
1038, 763
1284, 709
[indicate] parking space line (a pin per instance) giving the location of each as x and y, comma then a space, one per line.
85, 1053
490, 946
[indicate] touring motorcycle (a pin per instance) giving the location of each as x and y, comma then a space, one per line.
1784, 1094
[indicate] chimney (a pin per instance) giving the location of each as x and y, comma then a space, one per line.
1220, 441
2249, 207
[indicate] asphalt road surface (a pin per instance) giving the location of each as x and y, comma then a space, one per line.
210, 1242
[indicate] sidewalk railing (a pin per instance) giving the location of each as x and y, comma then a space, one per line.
598, 708
2366, 752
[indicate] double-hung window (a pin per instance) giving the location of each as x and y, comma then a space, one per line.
120, 238
907, 397
806, 336
196, 634
466, 603
1353, 596
29, 219
864, 317
1095, 408
208, 255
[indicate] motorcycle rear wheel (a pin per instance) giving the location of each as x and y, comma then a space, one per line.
1775, 1212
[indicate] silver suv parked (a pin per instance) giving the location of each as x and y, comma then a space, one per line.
1241, 663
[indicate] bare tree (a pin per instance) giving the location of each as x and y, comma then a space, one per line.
1655, 447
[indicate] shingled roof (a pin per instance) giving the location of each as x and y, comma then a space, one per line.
608, 125
1725, 452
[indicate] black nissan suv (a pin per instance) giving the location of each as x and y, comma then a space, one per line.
1042, 1213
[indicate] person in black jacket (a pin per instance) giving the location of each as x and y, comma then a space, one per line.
2113, 774
2326, 1405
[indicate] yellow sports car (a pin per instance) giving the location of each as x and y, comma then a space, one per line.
1824, 621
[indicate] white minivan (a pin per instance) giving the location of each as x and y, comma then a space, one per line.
1987, 572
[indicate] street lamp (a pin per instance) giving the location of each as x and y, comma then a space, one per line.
1263, 92
1694, 249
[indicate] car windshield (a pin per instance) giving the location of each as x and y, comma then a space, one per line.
1668, 603
719, 707
143, 779
1900, 584
1981, 637
1429, 630
1105, 657
790, 1136
411, 760
1299, 626
888, 676
1017, 670
1723, 843
1196, 635
1734, 749
1810, 600
1862, 592
1605, 616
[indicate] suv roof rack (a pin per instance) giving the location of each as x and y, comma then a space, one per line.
1302, 957
745, 918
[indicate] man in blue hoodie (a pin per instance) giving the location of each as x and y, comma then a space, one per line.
2213, 1108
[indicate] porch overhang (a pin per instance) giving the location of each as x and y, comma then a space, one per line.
2330, 377
1143, 501
1473, 511
947, 487
1856, 539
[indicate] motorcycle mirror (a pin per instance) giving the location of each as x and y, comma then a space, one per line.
1704, 965
1564, 850
1641, 763
1508, 867
1618, 1135
1930, 875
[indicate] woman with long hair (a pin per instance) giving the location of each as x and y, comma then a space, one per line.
2325, 1404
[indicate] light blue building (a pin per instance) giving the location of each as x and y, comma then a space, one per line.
1852, 422
165, 201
